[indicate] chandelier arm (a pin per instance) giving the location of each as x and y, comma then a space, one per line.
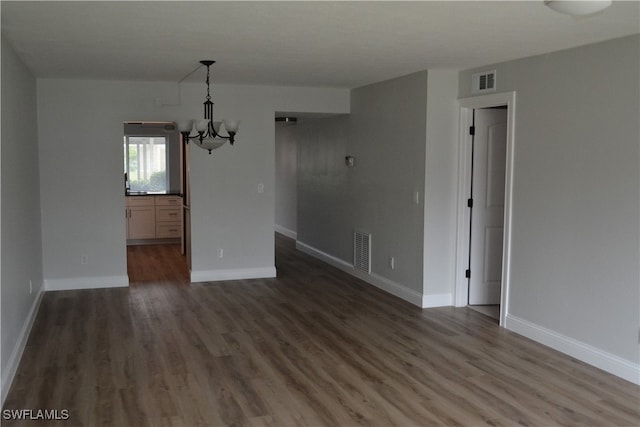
220, 136
211, 133
185, 137
188, 137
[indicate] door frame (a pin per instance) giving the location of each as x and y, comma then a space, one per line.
466, 106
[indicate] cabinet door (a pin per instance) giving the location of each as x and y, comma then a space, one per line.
142, 222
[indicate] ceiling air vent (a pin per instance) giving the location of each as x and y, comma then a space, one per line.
483, 82
362, 251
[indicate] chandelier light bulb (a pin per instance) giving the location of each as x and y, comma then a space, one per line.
184, 125
231, 125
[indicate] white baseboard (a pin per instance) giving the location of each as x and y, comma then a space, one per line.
600, 359
285, 231
409, 295
329, 259
14, 359
437, 300
86, 283
232, 274
394, 288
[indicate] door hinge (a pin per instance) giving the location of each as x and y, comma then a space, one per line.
472, 130
469, 203
467, 274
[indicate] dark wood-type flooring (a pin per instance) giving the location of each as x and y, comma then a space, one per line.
314, 347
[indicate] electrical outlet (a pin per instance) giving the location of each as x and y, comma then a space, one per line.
220, 253
392, 263
84, 259
416, 198
260, 188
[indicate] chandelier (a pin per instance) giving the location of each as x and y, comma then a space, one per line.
207, 133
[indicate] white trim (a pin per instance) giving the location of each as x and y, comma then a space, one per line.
14, 359
232, 274
285, 231
464, 215
329, 259
86, 283
437, 300
601, 359
389, 286
467, 105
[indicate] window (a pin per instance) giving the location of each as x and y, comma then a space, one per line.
145, 163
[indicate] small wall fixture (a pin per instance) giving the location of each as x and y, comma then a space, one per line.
287, 120
208, 133
578, 7
350, 161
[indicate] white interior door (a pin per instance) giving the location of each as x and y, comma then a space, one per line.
487, 213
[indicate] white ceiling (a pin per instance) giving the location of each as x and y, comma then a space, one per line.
324, 44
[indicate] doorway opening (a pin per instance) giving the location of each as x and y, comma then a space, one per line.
484, 200
488, 150
156, 186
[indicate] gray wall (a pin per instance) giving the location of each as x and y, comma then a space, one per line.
21, 233
403, 135
324, 208
286, 180
441, 176
576, 229
81, 175
386, 133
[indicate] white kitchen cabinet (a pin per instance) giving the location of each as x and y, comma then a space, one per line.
141, 218
168, 217
151, 218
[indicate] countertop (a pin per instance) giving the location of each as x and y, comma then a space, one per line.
153, 193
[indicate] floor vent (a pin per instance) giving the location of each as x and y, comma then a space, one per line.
362, 251
483, 82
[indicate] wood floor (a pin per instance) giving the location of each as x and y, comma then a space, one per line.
314, 347
149, 264
492, 311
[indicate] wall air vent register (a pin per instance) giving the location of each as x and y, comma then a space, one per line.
484, 81
362, 251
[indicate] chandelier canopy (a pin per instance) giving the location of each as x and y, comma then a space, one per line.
207, 132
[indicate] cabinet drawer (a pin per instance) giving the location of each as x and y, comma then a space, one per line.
170, 229
167, 213
168, 201
139, 201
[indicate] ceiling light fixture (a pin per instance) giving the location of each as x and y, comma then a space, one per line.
208, 133
578, 7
